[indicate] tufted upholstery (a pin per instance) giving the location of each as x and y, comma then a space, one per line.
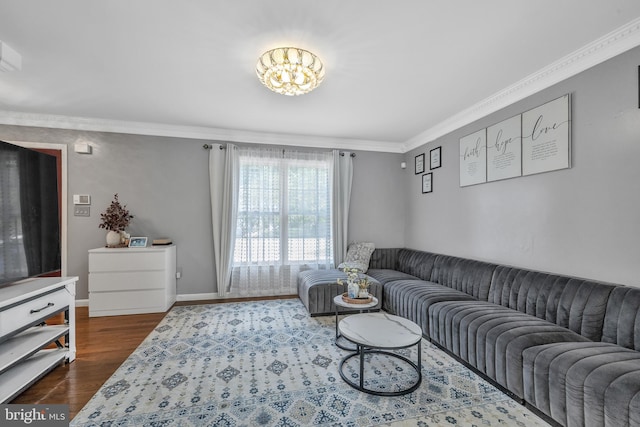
568, 347
412, 298
622, 321
465, 275
384, 258
588, 383
317, 288
491, 337
575, 304
416, 263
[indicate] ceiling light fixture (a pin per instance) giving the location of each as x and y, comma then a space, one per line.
290, 70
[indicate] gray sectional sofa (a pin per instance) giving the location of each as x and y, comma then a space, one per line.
567, 347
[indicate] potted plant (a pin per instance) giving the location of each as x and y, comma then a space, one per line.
115, 219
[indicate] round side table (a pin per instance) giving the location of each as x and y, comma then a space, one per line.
339, 302
376, 333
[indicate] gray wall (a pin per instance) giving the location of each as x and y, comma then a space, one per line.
164, 183
582, 221
378, 202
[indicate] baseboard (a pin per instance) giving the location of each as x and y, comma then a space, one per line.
185, 297
191, 297
197, 297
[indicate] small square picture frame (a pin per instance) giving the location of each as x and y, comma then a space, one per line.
138, 242
427, 183
419, 164
435, 158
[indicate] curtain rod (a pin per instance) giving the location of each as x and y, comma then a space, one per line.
210, 146
222, 147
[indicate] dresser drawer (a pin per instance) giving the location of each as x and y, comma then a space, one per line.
25, 314
114, 303
126, 281
124, 261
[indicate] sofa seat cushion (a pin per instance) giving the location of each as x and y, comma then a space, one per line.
317, 288
412, 298
584, 384
492, 338
383, 275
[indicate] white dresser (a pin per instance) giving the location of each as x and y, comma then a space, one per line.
131, 280
27, 350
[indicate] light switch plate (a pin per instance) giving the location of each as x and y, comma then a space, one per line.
81, 211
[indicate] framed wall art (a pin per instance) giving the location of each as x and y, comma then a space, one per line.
504, 149
427, 183
473, 158
434, 158
419, 164
546, 137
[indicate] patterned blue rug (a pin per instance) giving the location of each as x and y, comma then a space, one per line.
269, 363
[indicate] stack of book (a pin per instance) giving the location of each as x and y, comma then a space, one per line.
162, 241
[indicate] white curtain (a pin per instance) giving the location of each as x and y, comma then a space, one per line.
284, 219
223, 176
342, 179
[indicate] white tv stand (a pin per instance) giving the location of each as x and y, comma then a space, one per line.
24, 335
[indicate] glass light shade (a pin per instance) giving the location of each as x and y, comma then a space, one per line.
290, 70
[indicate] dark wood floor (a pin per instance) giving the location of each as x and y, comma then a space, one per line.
102, 344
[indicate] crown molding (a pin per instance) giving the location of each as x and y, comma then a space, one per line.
615, 43
192, 132
606, 47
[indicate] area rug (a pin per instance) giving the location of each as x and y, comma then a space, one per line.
269, 363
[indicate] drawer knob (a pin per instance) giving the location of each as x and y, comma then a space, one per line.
40, 309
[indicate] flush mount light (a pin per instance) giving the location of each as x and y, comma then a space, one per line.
290, 70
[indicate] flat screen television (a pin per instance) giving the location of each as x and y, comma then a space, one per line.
29, 214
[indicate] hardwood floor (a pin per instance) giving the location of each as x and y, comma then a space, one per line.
102, 344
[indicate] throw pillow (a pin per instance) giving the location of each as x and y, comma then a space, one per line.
358, 256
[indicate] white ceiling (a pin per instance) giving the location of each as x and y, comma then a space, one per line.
399, 73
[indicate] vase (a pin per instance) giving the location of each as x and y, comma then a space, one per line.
113, 238
353, 290
363, 293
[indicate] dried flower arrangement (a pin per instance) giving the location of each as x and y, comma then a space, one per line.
116, 217
354, 278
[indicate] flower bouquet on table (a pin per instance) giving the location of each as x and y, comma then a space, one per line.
115, 220
357, 285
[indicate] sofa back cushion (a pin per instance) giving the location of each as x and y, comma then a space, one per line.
384, 258
622, 321
576, 304
466, 275
416, 263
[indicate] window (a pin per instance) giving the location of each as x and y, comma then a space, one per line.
284, 209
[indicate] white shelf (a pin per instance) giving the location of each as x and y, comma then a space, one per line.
15, 380
24, 356
28, 343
